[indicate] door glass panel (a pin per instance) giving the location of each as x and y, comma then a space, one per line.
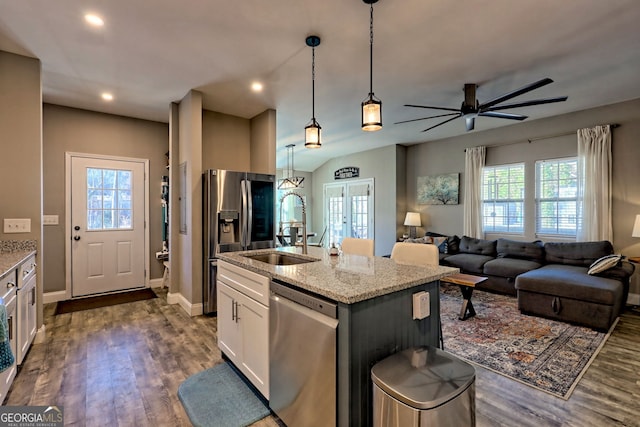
263, 211
109, 199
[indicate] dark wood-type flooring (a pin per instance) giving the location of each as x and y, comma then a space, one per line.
122, 365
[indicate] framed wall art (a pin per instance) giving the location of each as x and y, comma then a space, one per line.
438, 189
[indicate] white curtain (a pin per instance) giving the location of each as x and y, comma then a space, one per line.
594, 184
473, 164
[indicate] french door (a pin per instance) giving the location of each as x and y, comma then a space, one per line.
349, 210
107, 213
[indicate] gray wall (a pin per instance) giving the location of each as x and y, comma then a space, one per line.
511, 145
372, 164
72, 130
225, 142
21, 148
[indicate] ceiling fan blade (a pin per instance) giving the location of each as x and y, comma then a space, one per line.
433, 108
441, 123
470, 122
517, 92
425, 118
502, 115
529, 103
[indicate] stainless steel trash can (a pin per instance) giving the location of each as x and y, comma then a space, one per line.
423, 386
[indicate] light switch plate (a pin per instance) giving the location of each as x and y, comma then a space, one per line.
50, 220
17, 225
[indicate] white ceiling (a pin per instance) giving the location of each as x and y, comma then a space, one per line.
152, 52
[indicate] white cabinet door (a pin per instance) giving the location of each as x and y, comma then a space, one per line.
229, 329
243, 323
254, 318
26, 318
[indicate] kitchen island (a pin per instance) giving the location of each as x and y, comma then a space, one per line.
374, 297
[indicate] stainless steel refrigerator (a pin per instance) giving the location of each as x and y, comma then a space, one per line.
239, 214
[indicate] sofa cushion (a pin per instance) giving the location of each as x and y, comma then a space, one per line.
570, 281
449, 246
533, 251
509, 267
604, 263
578, 253
469, 245
468, 263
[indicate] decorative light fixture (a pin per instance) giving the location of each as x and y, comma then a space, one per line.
372, 106
289, 181
312, 130
412, 220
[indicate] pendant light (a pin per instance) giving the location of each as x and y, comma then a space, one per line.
289, 181
312, 130
372, 106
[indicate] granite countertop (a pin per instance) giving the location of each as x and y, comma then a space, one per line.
10, 260
345, 278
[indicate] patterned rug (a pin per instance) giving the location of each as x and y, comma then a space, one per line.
545, 354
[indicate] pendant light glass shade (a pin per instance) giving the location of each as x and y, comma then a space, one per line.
371, 114
372, 106
313, 130
312, 135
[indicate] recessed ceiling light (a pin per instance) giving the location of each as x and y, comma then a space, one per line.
256, 87
94, 20
107, 96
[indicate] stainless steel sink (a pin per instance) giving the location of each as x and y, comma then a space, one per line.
274, 258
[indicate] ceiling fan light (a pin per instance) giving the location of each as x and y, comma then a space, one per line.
312, 135
371, 114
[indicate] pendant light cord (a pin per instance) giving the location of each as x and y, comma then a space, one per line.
371, 52
313, 83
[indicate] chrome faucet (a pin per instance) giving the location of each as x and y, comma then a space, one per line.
304, 218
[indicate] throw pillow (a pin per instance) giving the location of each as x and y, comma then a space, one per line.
604, 263
441, 243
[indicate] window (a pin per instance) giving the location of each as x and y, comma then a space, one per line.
108, 199
557, 196
503, 198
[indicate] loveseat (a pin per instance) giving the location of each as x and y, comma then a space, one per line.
550, 280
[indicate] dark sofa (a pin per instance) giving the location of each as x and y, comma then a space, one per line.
550, 280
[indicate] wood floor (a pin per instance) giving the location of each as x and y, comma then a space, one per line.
122, 365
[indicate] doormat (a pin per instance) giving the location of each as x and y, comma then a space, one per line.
218, 397
89, 303
545, 354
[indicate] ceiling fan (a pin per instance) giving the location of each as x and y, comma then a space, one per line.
472, 108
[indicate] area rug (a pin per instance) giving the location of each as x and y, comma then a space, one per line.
89, 303
218, 397
542, 353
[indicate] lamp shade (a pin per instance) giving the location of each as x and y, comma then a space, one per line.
412, 219
636, 227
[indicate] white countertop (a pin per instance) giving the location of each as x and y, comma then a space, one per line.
344, 278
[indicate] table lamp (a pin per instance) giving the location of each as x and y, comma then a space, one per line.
636, 227
412, 220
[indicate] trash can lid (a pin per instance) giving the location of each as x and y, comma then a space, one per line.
423, 377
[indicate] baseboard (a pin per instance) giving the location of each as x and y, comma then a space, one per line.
54, 296
633, 299
40, 335
191, 309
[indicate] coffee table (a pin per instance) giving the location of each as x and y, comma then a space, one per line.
466, 282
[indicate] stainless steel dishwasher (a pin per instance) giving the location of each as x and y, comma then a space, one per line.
302, 355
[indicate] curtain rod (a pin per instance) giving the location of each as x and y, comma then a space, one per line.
530, 140
613, 126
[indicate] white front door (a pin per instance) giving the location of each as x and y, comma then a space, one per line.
107, 224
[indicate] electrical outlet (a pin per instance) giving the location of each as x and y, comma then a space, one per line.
421, 305
50, 220
17, 225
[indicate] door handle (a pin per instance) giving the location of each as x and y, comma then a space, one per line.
10, 327
76, 238
77, 228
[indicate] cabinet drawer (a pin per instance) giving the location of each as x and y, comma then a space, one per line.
252, 284
26, 270
8, 284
